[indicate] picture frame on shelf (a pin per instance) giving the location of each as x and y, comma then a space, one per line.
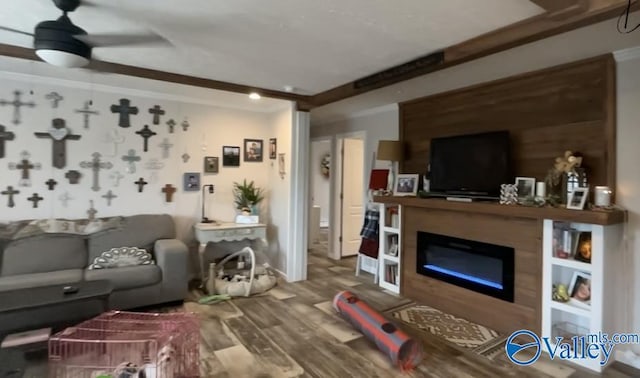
230, 156
582, 247
580, 289
578, 198
526, 187
191, 181
406, 185
253, 150
211, 164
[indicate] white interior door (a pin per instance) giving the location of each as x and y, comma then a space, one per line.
352, 195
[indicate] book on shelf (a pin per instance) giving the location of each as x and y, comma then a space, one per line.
391, 274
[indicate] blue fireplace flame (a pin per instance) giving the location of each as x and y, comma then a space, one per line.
463, 276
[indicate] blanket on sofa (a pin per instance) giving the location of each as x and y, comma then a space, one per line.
27, 228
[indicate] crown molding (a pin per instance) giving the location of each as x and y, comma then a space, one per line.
627, 54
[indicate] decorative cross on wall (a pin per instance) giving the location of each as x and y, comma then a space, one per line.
16, 106
146, 133
115, 178
141, 183
125, 110
55, 98
59, 134
165, 146
35, 198
92, 211
96, 165
172, 124
109, 196
113, 137
51, 183
65, 198
24, 165
4, 136
185, 125
168, 191
10, 192
185, 157
154, 165
131, 158
73, 176
86, 113
157, 112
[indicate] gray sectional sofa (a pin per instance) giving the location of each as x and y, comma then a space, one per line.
54, 258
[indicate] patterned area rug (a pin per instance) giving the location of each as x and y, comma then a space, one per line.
460, 332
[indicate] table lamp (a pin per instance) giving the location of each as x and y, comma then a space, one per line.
211, 189
390, 150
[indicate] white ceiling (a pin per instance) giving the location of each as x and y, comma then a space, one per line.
311, 45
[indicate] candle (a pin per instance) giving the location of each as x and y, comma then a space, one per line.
541, 189
603, 196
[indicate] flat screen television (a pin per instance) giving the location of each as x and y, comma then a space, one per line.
470, 165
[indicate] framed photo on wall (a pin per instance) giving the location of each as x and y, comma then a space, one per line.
273, 148
253, 150
191, 181
230, 156
406, 185
211, 164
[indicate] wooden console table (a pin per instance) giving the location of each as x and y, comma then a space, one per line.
226, 232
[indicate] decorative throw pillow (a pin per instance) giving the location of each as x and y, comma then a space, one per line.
123, 256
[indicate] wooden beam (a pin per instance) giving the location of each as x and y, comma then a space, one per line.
302, 102
529, 30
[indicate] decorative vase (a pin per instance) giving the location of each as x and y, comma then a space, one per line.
255, 210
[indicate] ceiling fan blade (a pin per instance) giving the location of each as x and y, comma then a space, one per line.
15, 31
109, 40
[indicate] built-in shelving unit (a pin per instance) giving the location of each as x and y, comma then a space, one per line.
585, 258
390, 247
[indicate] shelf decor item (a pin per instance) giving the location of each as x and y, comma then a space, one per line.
578, 198
508, 194
602, 196
391, 151
565, 175
406, 185
247, 196
583, 247
580, 289
526, 188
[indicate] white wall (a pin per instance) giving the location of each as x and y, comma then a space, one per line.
211, 127
320, 183
628, 179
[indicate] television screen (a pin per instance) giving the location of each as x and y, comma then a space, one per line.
470, 164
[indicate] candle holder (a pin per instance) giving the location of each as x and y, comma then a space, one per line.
602, 196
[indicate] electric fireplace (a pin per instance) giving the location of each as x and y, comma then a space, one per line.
481, 267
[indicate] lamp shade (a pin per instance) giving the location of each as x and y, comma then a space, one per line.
390, 150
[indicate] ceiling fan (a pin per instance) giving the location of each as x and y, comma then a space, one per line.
61, 43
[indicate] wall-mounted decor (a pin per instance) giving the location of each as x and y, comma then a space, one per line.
114, 138
96, 165
35, 198
16, 103
59, 134
230, 156
131, 158
168, 191
165, 146
73, 176
253, 150
154, 165
325, 165
51, 184
86, 113
281, 165
55, 98
4, 136
211, 164
109, 197
191, 181
273, 148
157, 112
185, 125
146, 133
406, 185
115, 178
185, 157
125, 111
92, 211
24, 166
10, 192
172, 125
65, 198
141, 183
526, 188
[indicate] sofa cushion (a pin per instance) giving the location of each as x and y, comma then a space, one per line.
137, 231
24, 281
44, 253
128, 277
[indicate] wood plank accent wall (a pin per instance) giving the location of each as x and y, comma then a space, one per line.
568, 107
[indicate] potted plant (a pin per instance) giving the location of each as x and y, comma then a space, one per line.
247, 196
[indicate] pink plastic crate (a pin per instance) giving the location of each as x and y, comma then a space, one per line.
166, 345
